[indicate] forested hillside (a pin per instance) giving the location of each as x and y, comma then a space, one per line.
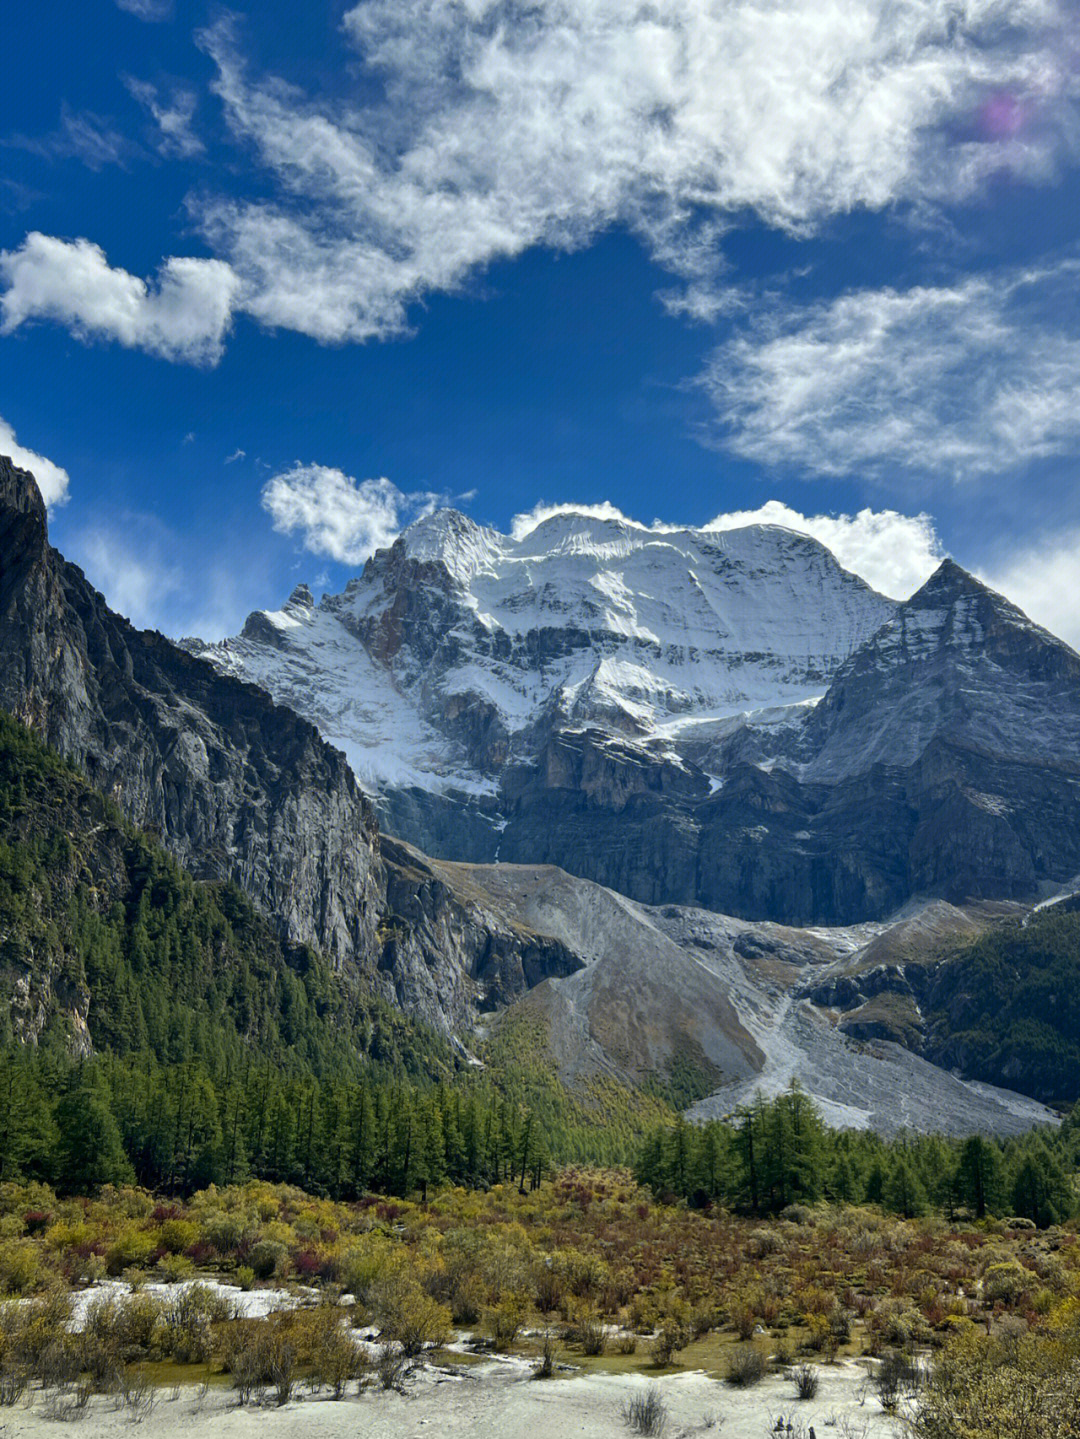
1006, 1008
156, 1028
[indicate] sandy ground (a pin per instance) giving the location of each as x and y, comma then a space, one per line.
247, 1303
499, 1399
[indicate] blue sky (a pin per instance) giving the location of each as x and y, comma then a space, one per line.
273, 281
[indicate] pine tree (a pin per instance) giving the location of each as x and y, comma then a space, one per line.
904, 1193
980, 1176
89, 1152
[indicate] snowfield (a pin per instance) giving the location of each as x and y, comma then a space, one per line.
659, 637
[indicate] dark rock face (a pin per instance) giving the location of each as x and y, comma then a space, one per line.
448, 953
236, 786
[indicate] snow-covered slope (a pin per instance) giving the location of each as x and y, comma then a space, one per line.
460, 649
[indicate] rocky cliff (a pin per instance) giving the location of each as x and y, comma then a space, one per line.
238, 787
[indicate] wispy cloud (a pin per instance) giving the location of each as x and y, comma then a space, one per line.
497, 127
81, 135
173, 117
135, 578
52, 480
1042, 576
975, 378
152, 10
160, 579
893, 552
506, 127
183, 315
337, 516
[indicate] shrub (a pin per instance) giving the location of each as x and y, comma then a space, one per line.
672, 1336
782, 1355
548, 1287
1005, 1283
762, 1243
334, 1355
366, 1264
647, 1413
391, 1366
258, 1352
797, 1214
1002, 1389
13, 1381
176, 1235
132, 1249
744, 1318
175, 1267
267, 1259
20, 1267
137, 1394
897, 1374
186, 1331
591, 1332
504, 1320
545, 1366
746, 1365
408, 1315
806, 1381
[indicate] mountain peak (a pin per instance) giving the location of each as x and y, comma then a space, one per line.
948, 582
963, 605
19, 491
448, 536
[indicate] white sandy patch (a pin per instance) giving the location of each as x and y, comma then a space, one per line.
245, 1303
502, 1401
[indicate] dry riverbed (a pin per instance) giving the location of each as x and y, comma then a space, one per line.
497, 1397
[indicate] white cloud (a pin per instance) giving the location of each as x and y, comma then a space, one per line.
237, 454
153, 10
338, 516
183, 316
522, 525
505, 126
487, 127
975, 378
1043, 578
894, 553
173, 118
52, 480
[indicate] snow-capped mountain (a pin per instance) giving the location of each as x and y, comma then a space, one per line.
456, 649
720, 719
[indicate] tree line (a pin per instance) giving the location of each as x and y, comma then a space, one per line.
773, 1154
114, 1119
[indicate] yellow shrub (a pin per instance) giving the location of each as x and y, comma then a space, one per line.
20, 1266
176, 1235
131, 1248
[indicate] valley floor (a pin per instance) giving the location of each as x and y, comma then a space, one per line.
499, 1399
